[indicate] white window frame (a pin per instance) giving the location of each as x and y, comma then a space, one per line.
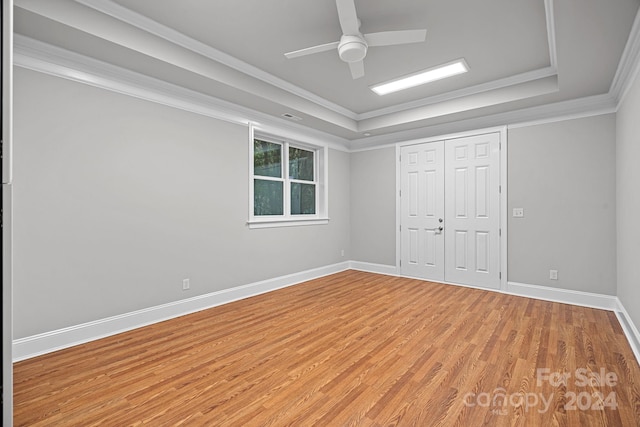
320, 170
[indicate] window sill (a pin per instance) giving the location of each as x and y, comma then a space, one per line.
286, 222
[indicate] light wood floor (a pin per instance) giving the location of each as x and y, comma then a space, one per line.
349, 349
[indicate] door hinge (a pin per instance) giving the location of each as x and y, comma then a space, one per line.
400, 227
400, 263
499, 231
400, 193
500, 189
500, 275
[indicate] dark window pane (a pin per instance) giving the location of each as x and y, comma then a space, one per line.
267, 197
267, 159
300, 164
303, 199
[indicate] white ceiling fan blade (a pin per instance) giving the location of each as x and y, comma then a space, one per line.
388, 38
311, 50
348, 18
357, 69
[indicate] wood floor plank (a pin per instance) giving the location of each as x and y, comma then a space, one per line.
352, 348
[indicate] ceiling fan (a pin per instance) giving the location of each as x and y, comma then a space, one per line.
353, 45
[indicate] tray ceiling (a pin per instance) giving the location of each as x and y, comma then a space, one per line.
523, 54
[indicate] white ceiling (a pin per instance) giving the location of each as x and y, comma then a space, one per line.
521, 53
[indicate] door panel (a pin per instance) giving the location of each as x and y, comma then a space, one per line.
413, 194
482, 251
460, 248
422, 208
460, 193
431, 255
413, 257
472, 217
482, 192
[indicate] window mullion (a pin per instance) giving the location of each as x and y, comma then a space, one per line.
287, 181
267, 178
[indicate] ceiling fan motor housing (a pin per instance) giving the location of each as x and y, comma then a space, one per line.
352, 48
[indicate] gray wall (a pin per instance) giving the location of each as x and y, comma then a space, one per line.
563, 175
373, 206
628, 201
118, 199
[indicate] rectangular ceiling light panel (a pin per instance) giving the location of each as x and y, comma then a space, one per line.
431, 75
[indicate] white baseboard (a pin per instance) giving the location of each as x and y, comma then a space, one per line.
25, 348
369, 267
566, 296
585, 299
629, 328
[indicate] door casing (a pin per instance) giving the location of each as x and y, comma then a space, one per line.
502, 131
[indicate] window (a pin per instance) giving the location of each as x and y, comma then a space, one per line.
268, 184
288, 183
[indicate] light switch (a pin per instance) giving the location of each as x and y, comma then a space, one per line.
518, 212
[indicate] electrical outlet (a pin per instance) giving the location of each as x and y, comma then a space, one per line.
518, 212
185, 284
342, 252
553, 274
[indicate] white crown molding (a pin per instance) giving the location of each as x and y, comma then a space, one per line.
130, 17
137, 20
119, 33
463, 93
517, 79
122, 14
42, 57
569, 110
548, 113
52, 60
475, 102
551, 33
629, 65
36, 55
159, 41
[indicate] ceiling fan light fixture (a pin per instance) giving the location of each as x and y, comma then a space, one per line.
449, 69
352, 48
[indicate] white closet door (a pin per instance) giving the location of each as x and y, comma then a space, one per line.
422, 210
472, 217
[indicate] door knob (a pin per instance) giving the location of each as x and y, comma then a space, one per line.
440, 220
